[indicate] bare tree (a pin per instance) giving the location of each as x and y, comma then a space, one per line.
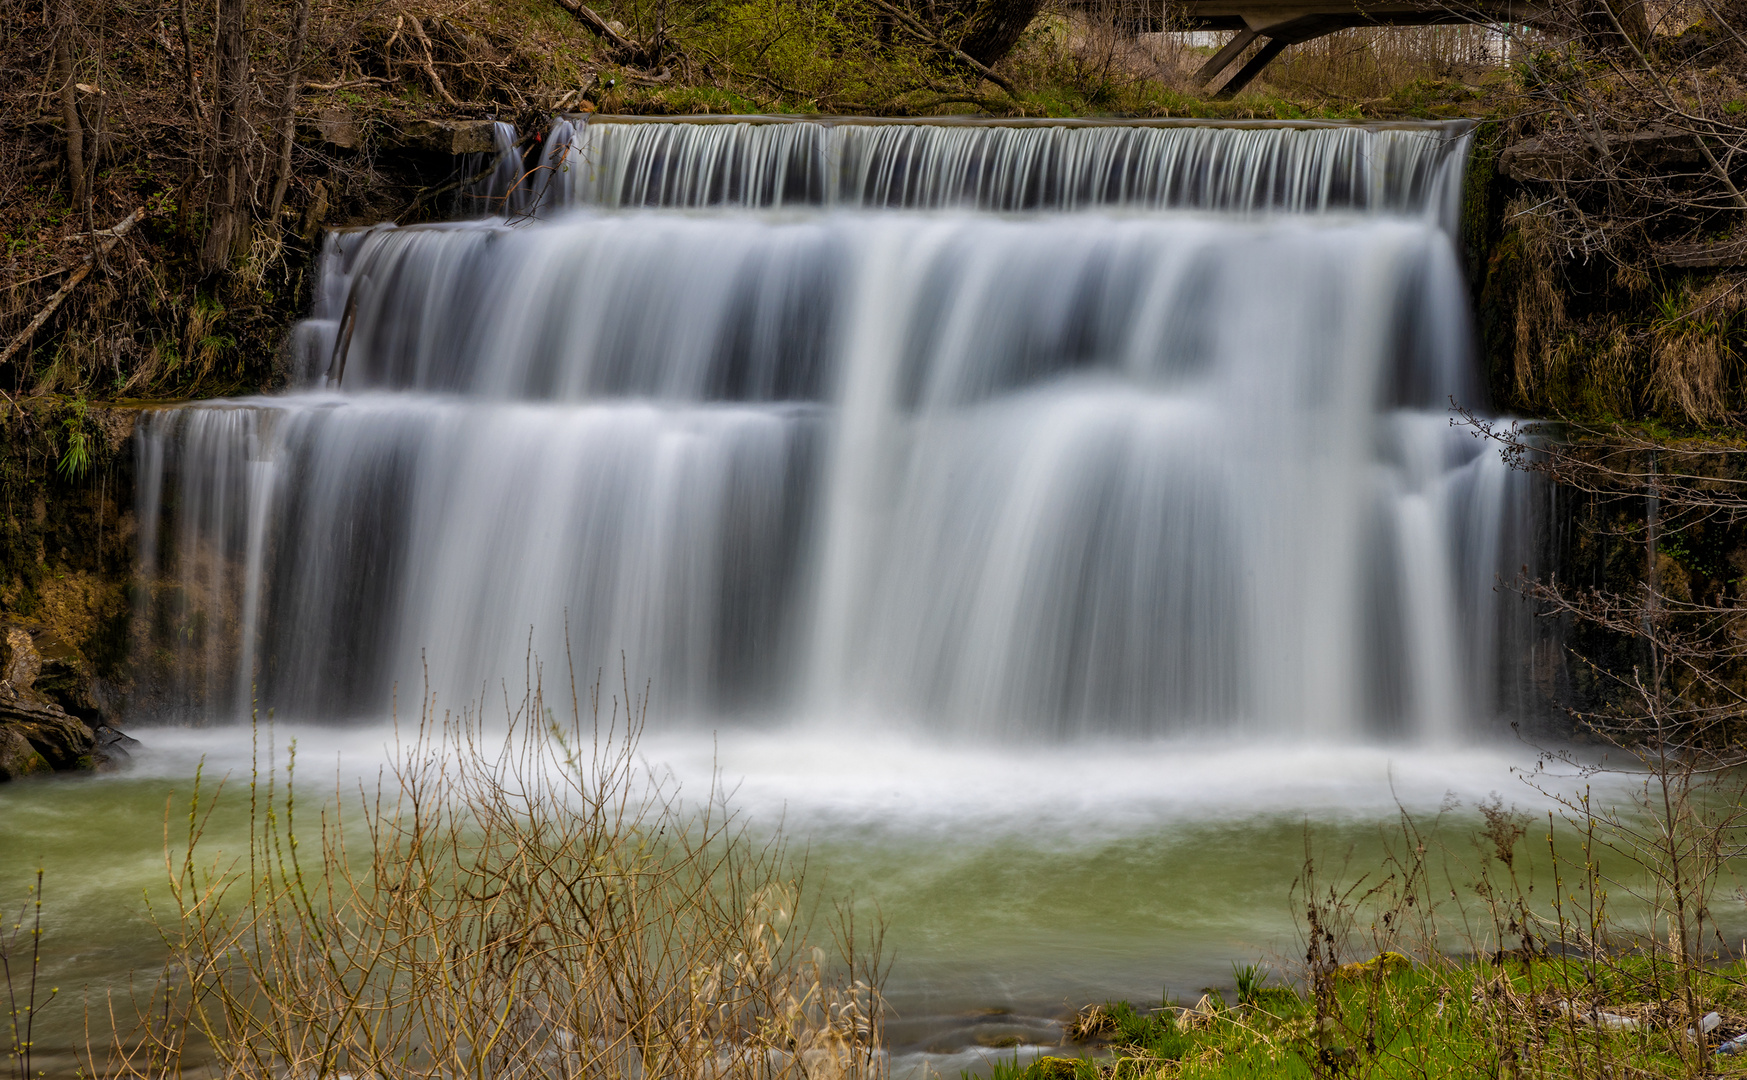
232, 204
66, 29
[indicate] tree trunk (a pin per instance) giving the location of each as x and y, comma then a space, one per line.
994, 27
64, 29
288, 112
196, 114
229, 211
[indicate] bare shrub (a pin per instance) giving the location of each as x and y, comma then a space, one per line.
1371, 62
531, 901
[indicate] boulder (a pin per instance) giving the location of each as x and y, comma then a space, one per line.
450, 137
37, 735
336, 128
19, 758
1570, 155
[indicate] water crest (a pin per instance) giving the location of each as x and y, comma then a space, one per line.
1042, 166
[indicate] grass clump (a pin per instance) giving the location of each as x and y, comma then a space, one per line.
1453, 1018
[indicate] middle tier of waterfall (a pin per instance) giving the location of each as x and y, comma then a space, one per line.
748, 307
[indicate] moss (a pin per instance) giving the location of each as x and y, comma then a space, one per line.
66, 543
1058, 1068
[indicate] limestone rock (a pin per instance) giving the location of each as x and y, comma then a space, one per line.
36, 734
20, 663
19, 758
113, 751
337, 128
1567, 154
446, 136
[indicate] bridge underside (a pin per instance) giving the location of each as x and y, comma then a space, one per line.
1278, 25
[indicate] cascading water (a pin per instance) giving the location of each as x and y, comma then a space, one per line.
1058, 165
1162, 448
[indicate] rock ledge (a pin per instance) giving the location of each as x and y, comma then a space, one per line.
36, 734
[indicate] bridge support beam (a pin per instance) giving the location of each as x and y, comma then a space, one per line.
1222, 59
1278, 33
1264, 56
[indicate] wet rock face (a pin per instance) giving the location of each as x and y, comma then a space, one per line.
37, 735
22, 662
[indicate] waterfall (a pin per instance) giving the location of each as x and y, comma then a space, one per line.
496, 183
1045, 165
1011, 430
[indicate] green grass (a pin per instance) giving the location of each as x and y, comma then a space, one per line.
1454, 1019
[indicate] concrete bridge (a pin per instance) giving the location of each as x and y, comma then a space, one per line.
1279, 23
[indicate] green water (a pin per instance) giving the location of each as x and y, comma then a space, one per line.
1016, 884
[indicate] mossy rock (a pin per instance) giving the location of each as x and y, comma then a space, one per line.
1057, 1068
18, 758
1383, 964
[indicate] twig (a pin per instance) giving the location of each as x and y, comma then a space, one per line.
774, 84
119, 230
341, 84
40, 277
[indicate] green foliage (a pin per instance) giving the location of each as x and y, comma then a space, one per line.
1152, 1035
1249, 979
783, 55
1553, 70
1443, 1020
1048, 1067
75, 461
1000, 1069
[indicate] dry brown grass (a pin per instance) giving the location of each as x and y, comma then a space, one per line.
529, 901
1539, 359
1692, 365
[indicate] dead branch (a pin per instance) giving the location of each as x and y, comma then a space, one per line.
116, 232
418, 30
621, 44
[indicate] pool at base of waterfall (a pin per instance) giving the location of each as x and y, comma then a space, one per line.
1016, 883
1058, 530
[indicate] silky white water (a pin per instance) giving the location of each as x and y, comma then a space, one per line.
1044, 475
1018, 166
1044, 523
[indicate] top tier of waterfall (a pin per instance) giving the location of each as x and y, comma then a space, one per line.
1009, 166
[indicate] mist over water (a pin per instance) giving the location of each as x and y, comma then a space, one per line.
1024, 878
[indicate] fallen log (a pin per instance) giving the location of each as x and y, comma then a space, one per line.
115, 233
916, 27
591, 18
